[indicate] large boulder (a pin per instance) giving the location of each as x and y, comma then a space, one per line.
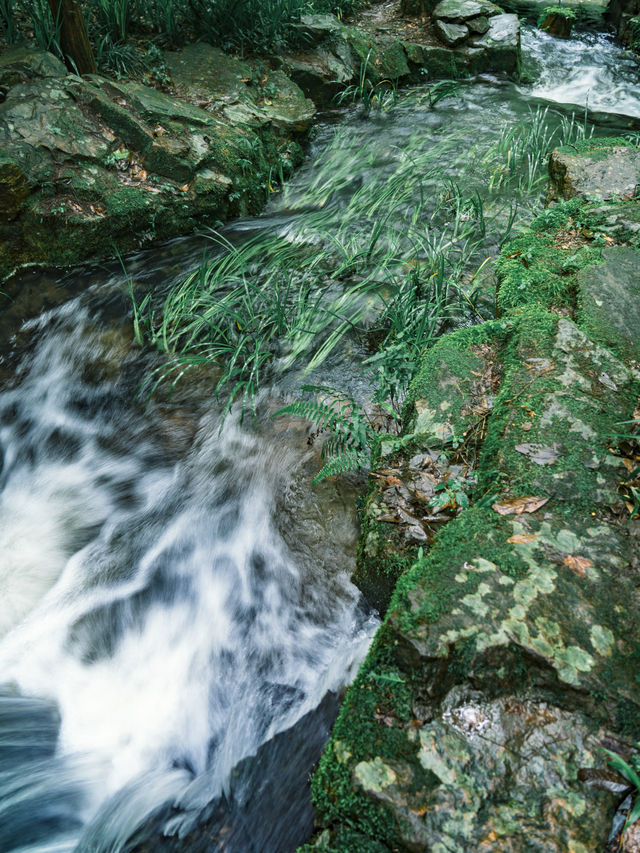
460, 11
596, 168
507, 658
86, 163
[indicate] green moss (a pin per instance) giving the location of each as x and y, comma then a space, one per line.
578, 427
455, 352
434, 573
344, 840
596, 146
371, 722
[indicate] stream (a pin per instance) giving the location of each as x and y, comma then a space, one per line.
177, 621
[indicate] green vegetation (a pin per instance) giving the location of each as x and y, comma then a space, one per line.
120, 29
563, 11
388, 271
629, 771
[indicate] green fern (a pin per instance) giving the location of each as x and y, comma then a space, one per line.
350, 460
347, 447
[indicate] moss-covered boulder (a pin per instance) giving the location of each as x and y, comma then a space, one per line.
600, 169
508, 655
90, 164
557, 21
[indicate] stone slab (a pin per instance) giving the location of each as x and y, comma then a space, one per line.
609, 300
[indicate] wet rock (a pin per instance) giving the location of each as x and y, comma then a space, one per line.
499, 48
337, 55
203, 74
479, 25
599, 169
86, 163
265, 807
609, 300
451, 34
460, 11
19, 64
476, 710
320, 74
14, 188
557, 23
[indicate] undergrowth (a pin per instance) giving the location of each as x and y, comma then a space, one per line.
385, 259
245, 25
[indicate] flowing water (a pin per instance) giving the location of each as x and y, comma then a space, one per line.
174, 596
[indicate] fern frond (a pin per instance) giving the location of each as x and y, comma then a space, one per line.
351, 460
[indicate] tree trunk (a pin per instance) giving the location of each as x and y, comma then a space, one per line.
74, 40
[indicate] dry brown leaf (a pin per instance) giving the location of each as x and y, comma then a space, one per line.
523, 538
511, 506
629, 464
579, 565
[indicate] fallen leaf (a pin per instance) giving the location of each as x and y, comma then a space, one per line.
540, 454
523, 538
579, 565
605, 780
511, 506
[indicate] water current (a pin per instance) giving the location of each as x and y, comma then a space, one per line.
174, 596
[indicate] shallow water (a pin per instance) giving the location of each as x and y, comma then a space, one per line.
174, 594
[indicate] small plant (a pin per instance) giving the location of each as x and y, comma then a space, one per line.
380, 96
46, 31
114, 18
167, 17
452, 493
350, 433
8, 21
629, 770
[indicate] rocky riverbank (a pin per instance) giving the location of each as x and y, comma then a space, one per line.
508, 656
90, 166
